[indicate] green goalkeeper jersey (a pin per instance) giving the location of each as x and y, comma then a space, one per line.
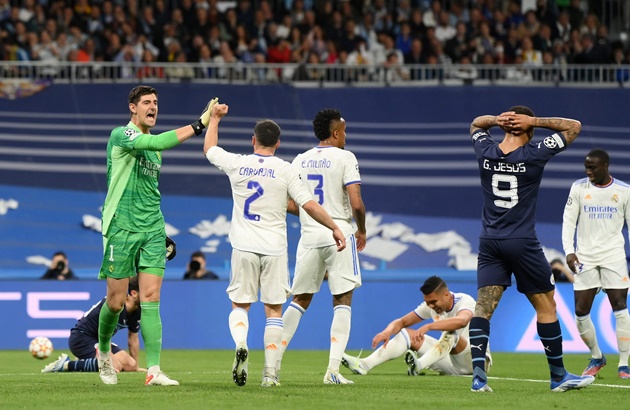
133, 170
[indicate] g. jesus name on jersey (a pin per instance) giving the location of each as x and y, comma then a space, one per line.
510, 183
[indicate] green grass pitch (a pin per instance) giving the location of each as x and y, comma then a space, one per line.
518, 380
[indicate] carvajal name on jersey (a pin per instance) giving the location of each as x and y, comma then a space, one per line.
599, 212
317, 163
257, 172
505, 167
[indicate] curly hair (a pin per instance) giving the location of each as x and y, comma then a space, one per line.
323, 122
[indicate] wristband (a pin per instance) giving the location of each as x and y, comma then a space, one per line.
197, 127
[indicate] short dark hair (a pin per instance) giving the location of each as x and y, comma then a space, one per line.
433, 284
133, 284
521, 109
600, 154
323, 122
267, 133
137, 92
60, 253
198, 254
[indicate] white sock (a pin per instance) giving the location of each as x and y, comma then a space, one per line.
588, 335
272, 338
339, 335
291, 319
395, 348
239, 325
439, 351
622, 329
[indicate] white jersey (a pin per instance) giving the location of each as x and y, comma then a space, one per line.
599, 213
261, 186
461, 301
326, 172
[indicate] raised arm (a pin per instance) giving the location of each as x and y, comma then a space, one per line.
212, 133
568, 127
484, 122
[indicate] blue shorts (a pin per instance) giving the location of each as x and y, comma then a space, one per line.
82, 345
499, 258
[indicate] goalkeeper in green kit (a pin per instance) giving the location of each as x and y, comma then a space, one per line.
134, 235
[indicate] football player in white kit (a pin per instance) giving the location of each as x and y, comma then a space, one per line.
261, 185
450, 354
598, 206
332, 176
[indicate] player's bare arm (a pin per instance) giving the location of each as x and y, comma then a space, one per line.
488, 298
461, 320
484, 122
394, 327
568, 127
293, 208
358, 212
212, 133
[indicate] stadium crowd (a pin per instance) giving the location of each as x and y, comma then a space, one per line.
360, 33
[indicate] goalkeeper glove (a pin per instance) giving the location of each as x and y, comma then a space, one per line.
171, 249
204, 119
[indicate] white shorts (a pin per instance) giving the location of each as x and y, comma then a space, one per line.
610, 276
344, 273
253, 272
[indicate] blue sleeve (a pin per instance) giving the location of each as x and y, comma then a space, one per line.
481, 140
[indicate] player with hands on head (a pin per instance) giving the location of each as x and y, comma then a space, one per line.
450, 354
134, 235
261, 185
510, 173
596, 211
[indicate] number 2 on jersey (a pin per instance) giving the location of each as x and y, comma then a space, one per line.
511, 194
259, 192
319, 188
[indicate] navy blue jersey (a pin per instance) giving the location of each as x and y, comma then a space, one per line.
510, 184
88, 324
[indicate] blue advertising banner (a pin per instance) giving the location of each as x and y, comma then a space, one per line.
194, 315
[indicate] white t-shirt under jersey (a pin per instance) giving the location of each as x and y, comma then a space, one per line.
461, 301
261, 186
327, 171
599, 213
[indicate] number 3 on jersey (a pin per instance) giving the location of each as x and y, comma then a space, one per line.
257, 194
511, 194
319, 188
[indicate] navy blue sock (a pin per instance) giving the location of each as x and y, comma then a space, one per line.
83, 365
479, 334
551, 337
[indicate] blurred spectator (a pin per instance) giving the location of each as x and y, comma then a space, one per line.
179, 70
444, 31
395, 72
196, 268
59, 268
147, 70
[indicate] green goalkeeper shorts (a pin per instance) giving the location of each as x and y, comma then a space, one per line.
126, 253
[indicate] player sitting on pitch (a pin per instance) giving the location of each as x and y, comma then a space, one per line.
451, 314
84, 335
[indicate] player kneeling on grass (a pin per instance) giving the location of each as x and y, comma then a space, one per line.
84, 335
451, 314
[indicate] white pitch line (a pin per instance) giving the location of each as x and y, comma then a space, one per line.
616, 386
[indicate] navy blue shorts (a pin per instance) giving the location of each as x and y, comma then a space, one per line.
499, 258
82, 345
